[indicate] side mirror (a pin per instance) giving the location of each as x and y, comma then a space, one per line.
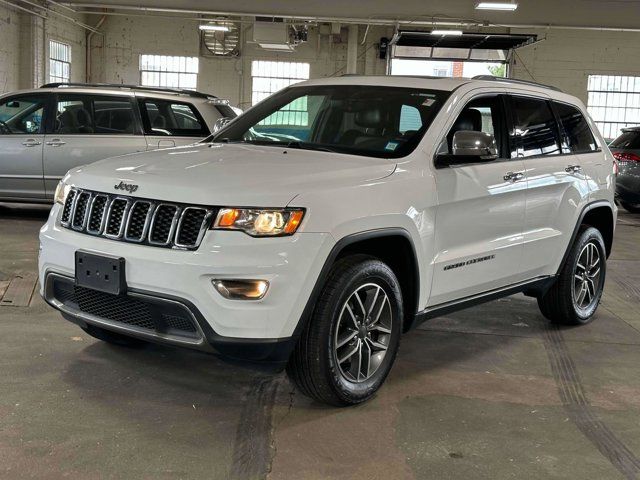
469, 147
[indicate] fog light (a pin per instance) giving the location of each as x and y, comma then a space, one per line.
241, 289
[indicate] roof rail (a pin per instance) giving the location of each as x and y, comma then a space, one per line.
177, 91
515, 80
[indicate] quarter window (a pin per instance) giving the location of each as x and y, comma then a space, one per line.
94, 115
165, 118
535, 127
576, 129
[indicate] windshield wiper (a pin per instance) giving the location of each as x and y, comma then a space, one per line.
308, 146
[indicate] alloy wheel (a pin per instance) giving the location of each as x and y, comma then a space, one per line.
586, 277
363, 333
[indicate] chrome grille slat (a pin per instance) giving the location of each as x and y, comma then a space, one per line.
80, 207
138, 221
97, 214
135, 220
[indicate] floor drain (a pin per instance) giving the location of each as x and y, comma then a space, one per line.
17, 292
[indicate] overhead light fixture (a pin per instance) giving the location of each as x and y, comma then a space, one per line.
214, 28
510, 7
446, 32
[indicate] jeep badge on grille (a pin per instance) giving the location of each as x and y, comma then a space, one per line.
128, 187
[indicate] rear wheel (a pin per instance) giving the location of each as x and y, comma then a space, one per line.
631, 207
349, 345
113, 337
576, 294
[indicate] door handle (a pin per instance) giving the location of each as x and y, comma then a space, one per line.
31, 143
56, 143
513, 176
573, 169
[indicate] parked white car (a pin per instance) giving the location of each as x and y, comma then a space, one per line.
47, 131
332, 217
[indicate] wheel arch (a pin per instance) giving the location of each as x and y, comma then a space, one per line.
385, 244
598, 214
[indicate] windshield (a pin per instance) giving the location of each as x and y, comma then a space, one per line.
383, 122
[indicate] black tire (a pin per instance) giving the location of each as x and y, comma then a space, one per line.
314, 366
113, 337
631, 207
559, 303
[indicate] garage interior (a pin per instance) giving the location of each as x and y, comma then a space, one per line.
491, 392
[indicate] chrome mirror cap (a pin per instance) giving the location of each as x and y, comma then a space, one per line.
467, 143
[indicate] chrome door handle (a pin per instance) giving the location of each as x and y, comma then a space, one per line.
573, 169
56, 143
31, 143
513, 176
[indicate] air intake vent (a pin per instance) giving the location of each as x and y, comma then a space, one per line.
136, 220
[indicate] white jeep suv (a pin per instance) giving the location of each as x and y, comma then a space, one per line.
316, 228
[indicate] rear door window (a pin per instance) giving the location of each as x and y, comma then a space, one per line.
166, 118
535, 127
576, 129
94, 115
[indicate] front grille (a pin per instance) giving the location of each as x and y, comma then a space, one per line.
151, 315
136, 220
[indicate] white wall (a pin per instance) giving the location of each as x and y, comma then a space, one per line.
9, 51
117, 60
567, 57
24, 48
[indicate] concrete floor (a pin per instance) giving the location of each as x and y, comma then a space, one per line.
493, 392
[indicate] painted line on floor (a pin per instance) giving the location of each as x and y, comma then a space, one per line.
252, 449
579, 409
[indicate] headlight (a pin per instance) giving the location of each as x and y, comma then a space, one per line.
61, 192
258, 222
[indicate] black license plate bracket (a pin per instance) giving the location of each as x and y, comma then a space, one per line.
101, 272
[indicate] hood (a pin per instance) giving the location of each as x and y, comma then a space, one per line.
229, 174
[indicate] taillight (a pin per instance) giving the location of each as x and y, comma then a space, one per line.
626, 157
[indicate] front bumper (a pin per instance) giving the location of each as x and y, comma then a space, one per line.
243, 329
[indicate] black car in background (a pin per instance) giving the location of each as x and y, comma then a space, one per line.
626, 149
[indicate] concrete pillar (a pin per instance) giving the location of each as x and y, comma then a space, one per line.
352, 50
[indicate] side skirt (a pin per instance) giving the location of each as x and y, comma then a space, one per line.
531, 288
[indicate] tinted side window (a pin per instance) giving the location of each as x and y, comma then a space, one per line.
535, 127
484, 114
94, 115
576, 128
162, 117
22, 115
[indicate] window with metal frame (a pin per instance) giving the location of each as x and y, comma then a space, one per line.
270, 77
169, 71
613, 102
59, 62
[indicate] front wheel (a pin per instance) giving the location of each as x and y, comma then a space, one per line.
349, 345
576, 294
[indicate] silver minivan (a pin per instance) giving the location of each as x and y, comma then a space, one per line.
47, 131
